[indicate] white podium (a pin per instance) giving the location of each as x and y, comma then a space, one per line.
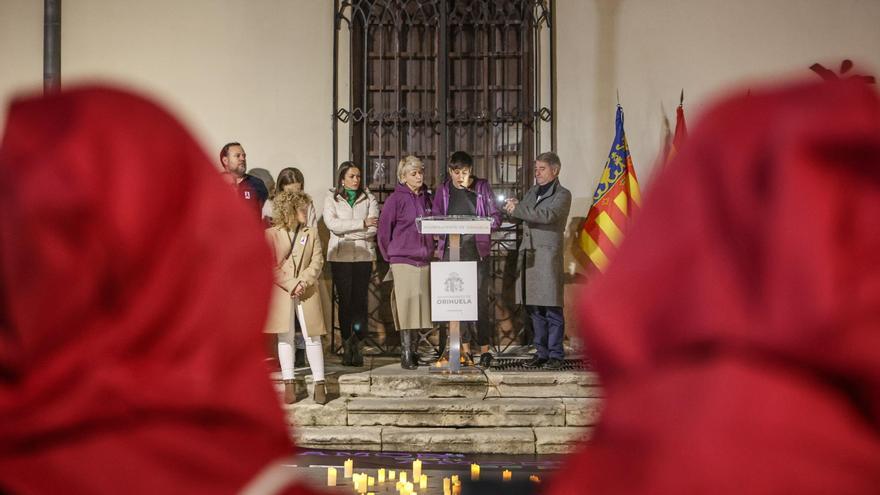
455, 297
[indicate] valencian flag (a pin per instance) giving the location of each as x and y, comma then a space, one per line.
616, 198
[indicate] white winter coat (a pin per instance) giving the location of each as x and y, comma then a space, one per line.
349, 239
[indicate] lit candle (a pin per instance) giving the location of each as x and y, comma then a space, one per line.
381, 475
475, 472
505, 475
417, 469
349, 468
403, 476
331, 476
455, 479
447, 486
423, 481
456, 488
534, 479
371, 481
391, 474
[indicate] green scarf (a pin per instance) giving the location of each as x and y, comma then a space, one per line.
350, 196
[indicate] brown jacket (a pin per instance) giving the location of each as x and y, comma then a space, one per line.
296, 261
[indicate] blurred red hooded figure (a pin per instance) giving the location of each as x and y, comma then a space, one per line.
134, 290
737, 334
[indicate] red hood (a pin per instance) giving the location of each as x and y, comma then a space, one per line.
135, 287
738, 332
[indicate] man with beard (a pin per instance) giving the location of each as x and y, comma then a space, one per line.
251, 189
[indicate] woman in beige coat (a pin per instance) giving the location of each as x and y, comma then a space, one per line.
296, 299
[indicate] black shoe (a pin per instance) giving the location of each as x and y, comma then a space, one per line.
357, 357
485, 360
535, 362
554, 364
299, 360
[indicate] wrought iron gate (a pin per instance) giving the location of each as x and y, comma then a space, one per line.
429, 77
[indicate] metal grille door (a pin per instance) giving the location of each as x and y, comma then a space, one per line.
429, 77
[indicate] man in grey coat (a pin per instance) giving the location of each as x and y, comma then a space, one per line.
544, 212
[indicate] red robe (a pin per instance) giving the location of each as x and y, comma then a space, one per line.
134, 290
737, 334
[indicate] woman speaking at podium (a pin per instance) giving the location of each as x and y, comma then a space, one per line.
464, 194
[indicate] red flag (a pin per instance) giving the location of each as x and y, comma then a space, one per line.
680, 131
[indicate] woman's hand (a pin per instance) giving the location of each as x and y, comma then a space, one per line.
371, 222
298, 290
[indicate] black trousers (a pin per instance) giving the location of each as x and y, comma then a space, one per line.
481, 330
352, 282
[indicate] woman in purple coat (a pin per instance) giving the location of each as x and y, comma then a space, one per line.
465, 194
409, 254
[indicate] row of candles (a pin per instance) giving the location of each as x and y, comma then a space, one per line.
451, 486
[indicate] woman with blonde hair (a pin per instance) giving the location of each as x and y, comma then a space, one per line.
296, 300
409, 253
290, 179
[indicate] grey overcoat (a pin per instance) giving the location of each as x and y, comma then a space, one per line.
541, 251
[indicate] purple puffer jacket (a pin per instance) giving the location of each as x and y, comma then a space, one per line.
485, 208
398, 236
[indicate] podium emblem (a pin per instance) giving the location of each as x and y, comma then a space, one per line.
454, 283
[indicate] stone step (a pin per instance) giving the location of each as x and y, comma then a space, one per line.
392, 381
563, 384
386, 408
559, 440
456, 412
338, 437
452, 413
582, 411
516, 425
307, 413
509, 440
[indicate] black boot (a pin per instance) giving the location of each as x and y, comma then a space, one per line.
346, 352
406, 350
357, 357
414, 347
